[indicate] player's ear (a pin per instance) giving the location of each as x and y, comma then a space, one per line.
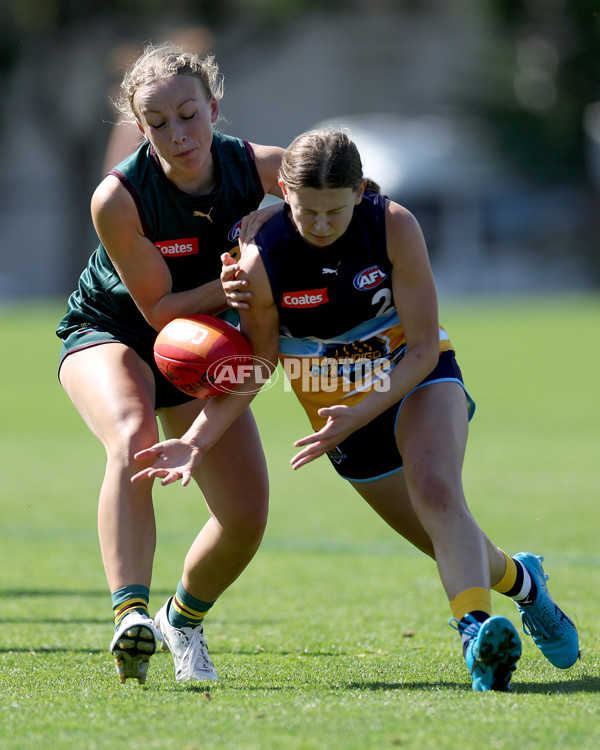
283, 190
214, 109
360, 192
141, 129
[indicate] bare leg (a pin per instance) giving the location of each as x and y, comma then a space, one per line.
389, 498
233, 479
432, 436
113, 391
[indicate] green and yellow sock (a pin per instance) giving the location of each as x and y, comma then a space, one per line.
186, 611
130, 599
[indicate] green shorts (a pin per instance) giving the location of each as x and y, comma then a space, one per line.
75, 339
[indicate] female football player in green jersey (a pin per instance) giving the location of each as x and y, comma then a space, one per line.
164, 216
342, 292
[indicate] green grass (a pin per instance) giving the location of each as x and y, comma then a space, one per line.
336, 635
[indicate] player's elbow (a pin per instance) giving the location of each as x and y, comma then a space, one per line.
427, 354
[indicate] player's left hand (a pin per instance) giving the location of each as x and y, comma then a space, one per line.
341, 422
173, 460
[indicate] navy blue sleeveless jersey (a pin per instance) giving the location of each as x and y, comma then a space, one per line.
340, 333
191, 232
323, 292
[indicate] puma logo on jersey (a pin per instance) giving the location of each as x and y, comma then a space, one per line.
332, 270
203, 215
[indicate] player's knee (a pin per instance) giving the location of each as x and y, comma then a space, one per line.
433, 490
248, 527
131, 436
256, 522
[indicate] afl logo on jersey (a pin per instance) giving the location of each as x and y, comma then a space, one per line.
369, 278
234, 232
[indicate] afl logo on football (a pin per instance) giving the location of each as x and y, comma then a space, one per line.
234, 232
369, 278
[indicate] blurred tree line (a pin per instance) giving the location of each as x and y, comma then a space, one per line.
541, 68
541, 71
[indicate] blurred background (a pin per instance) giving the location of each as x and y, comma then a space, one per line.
481, 116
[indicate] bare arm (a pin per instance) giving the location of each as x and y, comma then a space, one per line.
416, 302
177, 459
415, 299
140, 265
268, 161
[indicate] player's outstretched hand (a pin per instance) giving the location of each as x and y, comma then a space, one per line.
341, 422
235, 283
173, 460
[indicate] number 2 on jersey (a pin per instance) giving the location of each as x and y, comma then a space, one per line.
385, 297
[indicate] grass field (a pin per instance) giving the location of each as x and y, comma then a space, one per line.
336, 636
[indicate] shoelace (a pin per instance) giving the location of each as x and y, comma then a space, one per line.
195, 654
469, 628
532, 626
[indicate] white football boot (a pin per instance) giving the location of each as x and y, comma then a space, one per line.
134, 642
188, 648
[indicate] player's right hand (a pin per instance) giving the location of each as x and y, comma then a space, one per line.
253, 221
173, 460
235, 283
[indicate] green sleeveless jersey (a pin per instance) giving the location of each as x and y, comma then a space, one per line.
191, 233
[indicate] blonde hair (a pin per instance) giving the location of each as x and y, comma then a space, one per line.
163, 61
323, 159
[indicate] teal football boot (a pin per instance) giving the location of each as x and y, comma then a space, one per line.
553, 632
491, 653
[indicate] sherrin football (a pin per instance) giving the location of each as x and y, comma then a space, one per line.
202, 355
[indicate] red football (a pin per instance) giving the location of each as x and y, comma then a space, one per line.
203, 356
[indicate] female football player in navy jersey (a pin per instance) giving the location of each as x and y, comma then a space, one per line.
342, 292
164, 216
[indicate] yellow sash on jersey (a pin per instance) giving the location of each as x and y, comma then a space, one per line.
348, 372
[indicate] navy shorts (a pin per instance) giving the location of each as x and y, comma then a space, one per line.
372, 453
87, 335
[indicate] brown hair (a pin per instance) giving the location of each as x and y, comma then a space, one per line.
163, 61
323, 159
